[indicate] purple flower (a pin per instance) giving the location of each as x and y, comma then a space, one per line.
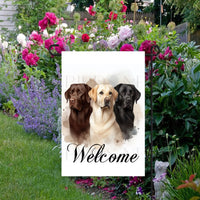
139, 191
38, 107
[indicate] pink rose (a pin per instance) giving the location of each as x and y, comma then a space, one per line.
91, 12
43, 23
127, 47
31, 59
53, 20
36, 37
125, 32
24, 53
61, 46
48, 43
113, 42
25, 77
50, 19
146, 46
16, 115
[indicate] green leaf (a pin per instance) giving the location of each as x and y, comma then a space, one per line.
158, 119
170, 85
164, 94
187, 125
197, 68
172, 158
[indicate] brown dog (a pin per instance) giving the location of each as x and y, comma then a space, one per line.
80, 111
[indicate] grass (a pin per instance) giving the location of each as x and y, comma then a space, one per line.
30, 168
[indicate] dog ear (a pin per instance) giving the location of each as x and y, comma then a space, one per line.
88, 88
136, 95
118, 86
93, 93
67, 94
115, 94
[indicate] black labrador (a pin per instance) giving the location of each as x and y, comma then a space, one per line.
123, 108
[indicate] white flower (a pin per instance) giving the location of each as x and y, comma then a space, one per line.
92, 35
19, 27
90, 47
113, 42
63, 25
45, 33
125, 32
5, 45
21, 38
69, 30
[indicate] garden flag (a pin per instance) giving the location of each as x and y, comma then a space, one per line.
103, 114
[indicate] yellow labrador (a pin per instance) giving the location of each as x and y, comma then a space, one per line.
103, 126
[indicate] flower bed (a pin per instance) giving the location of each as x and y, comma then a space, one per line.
176, 82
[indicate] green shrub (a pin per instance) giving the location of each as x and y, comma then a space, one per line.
183, 170
29, 12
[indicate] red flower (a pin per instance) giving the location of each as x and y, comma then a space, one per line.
91, 12
127, 47
146, 46
85, 37
189, 183
113, 16
124, 8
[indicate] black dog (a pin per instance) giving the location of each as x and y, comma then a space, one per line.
80, 111
123, 108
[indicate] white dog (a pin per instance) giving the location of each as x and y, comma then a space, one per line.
103, 126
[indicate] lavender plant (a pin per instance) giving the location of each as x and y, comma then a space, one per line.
38, 108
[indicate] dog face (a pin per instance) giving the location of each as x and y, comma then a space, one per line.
78, 96
104, 95
128, 94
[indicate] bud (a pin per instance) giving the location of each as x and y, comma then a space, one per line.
100, 17
171, 26
76, 17
134, 7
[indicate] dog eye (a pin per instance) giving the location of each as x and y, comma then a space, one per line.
110, 93
101, 92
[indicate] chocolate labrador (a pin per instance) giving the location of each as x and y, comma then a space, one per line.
127, 96
80, 111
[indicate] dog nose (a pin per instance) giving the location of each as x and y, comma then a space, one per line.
107, 101
72, 101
